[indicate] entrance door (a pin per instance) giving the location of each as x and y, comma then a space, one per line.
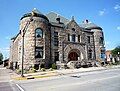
73, 56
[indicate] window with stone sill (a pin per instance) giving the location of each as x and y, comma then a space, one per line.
90, 54
38, 52
39, 33
88, 38
56, 42
56, 56
73, 38
68, 37
101, 40
78, 38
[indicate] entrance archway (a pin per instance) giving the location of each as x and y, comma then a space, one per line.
73, 56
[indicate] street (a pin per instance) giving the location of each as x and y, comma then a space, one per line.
6, 83
105, 80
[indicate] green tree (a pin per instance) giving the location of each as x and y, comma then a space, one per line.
115, 51
1, 58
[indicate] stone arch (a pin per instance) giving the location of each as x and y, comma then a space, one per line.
71, 47
73, 55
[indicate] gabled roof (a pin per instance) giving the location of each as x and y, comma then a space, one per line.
52, 18
73, 23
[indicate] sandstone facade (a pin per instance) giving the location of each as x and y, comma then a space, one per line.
52, 39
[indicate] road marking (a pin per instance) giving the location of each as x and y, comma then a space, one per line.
21, 89
79, 83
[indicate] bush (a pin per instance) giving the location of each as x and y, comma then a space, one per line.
32, 70
18, 71
54, 66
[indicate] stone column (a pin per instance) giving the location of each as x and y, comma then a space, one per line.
76, 40
70, 37
86, 50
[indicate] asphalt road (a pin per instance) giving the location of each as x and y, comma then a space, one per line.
105, 80
6, 84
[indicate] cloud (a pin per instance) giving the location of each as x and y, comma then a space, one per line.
117, 7
118, 28
102, 12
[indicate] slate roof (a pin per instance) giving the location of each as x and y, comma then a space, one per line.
90, 26
52, 18
36, 14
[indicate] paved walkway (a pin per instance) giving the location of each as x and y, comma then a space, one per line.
6, 83
60, 72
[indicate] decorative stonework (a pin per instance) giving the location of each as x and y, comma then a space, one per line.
66, 45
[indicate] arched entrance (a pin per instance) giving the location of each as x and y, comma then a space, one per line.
80, 56
73, 56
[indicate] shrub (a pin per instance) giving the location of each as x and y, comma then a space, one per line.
32, 70
54, 66
18, 71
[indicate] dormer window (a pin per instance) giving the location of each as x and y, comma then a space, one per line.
39, 33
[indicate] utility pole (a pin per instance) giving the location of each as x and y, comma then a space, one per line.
23, 35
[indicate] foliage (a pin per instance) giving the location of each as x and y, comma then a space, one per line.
1, 57
18, 71
115, 51
54, 66
32, 70
116, 63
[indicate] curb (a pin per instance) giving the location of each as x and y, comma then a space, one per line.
59, 74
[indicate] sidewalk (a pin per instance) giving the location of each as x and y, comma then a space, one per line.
59, 72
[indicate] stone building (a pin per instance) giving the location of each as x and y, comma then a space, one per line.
52, 38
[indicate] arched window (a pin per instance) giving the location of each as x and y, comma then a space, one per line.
39, 33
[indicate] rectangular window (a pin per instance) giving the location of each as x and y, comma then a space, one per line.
56, 56
73, 38
56, 42
38, 52
101, 40
88, 38
90, 54
68, 37
78, 38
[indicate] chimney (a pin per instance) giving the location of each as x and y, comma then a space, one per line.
58, 18
86, 21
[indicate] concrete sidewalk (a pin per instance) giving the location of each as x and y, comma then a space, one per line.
59, 72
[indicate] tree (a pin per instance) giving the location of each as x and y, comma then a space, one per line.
1, 58
115, 51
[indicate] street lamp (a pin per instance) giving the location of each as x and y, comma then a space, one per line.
23, 34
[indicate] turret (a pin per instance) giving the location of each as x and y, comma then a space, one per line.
36, 39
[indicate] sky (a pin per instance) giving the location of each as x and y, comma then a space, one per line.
104, 13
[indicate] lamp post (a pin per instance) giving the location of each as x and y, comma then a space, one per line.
23, 35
